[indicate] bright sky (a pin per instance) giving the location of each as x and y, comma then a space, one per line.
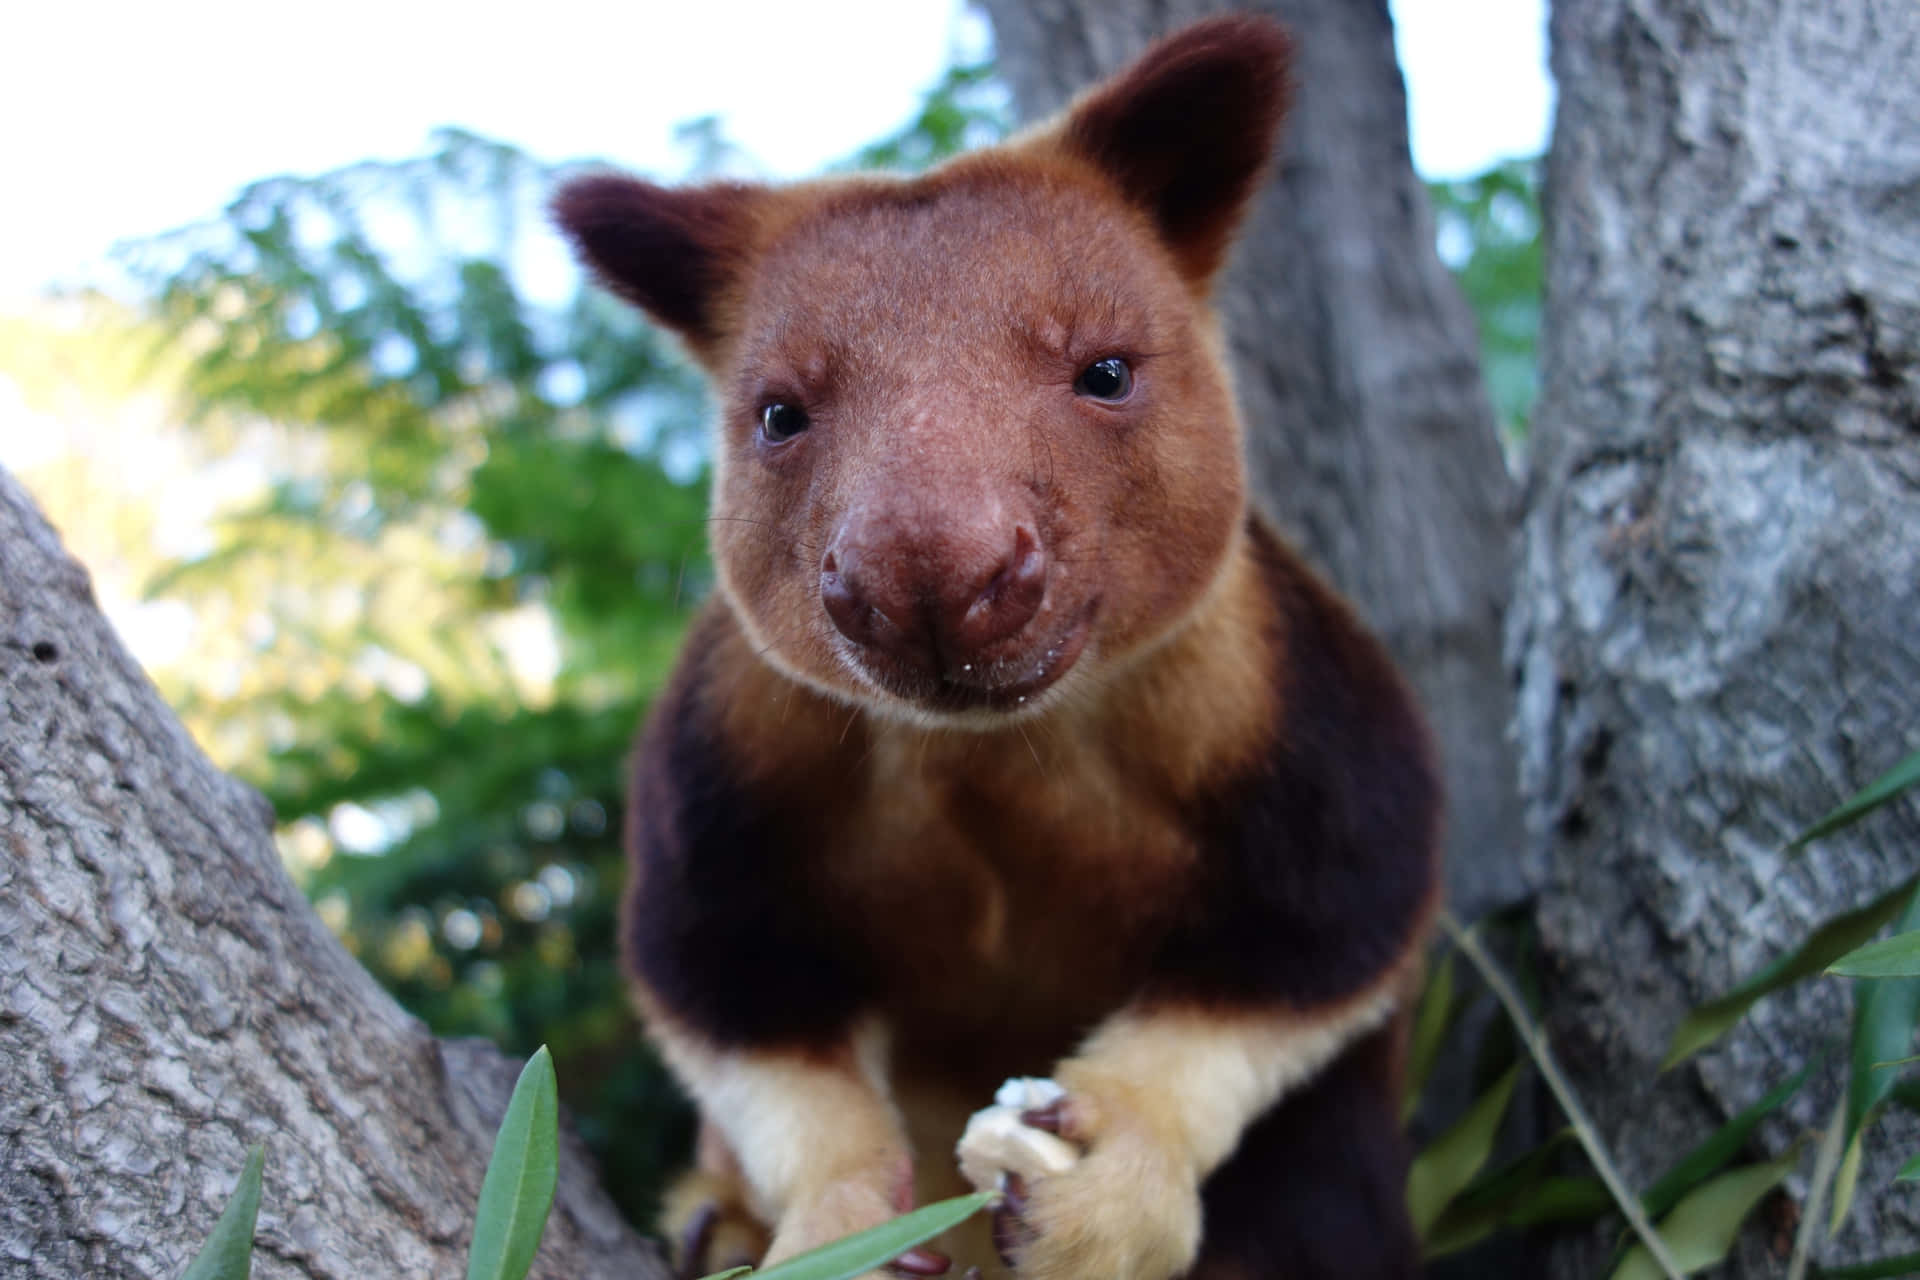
124, 120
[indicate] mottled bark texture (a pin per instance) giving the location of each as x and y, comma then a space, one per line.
1715, 625
167, 999
1371, 438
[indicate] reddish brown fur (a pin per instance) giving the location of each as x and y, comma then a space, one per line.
862, 876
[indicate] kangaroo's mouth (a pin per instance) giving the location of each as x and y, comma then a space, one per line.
1008, 685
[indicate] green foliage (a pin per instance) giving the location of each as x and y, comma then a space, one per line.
228, 1252
517, 1193
1446, 1167
1895, 957
968, 108
1720, 1148
1702, 1227
1522, 1193
1833, 939
1882, 790
1906, 1264
1700, 1202
1488, 231
1435, 1012
477, 538
855, 1255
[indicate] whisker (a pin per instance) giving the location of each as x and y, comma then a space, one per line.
1031, 749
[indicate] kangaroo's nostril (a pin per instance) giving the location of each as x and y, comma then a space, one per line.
1011, 596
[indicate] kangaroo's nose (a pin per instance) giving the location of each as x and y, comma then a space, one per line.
934, 605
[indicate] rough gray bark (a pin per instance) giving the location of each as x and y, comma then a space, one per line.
1372, 440
1715, 624
167, 999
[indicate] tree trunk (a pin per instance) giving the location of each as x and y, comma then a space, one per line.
1715, 626
167, 999
1371, 438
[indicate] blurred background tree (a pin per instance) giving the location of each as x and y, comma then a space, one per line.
473, 532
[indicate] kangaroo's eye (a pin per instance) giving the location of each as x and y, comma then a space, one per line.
780, 422
1110, 380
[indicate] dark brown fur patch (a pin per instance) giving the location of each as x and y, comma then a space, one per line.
1317, 1188
1321, 854
724, 924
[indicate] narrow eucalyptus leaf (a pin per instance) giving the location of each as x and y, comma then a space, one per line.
228, 1252
1846, 1181
518, 1189
1476, 1214
1908, 1171
1725, 1143
1884, 1013
1448, 1165
1895, 957
1563, 1199
729, 1275
1429, 1029
875, 1247
1826, 944
1906, 1264
1526, 1169
1865, 801
1701, 1229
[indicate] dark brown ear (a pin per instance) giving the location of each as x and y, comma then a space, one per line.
672, 251
1188, 129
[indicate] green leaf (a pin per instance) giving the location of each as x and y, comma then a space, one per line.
1905, 1264
1711, 1155
1448, 1164
1701, 1229
228, 1252
1845, 1182
1828, 943
1895, 957
1908, 1171
1552, 1199
1865, 801
1726, 1143
1520, 1193
518, 1189
1429, 1030
1883, 1022
875, 1247
1562, 1199
728, 1275
1905, 1093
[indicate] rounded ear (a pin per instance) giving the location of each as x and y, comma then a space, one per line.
1186, 132
674, 252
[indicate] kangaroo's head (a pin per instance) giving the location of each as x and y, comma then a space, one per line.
976, 440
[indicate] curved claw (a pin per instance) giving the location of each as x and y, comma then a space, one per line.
1051, 1118
1009, 1218
694, 1241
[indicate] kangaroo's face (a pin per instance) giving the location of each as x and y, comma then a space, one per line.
976, 445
